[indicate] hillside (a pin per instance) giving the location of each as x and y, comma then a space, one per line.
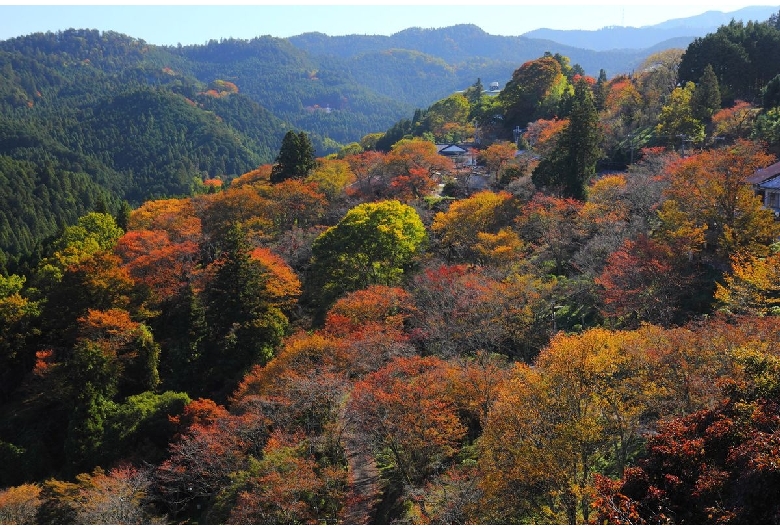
131, 121
570, 315
470, 51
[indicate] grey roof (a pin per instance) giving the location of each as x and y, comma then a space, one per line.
764, 174
451, 149
773, 183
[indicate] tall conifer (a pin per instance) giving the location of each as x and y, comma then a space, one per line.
295, 159
705, 100
573, 160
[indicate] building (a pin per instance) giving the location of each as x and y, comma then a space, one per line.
461, 155
766, 183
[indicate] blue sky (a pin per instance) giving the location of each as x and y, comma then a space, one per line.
196, 23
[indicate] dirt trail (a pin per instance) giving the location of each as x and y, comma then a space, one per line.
366, 491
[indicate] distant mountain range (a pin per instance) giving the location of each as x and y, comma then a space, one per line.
679, 30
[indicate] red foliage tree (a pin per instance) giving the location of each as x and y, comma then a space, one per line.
405, 411
645, 281
152, 259
717, 465
553, 228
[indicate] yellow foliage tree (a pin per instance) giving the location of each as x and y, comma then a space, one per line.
332, 177
554, 423
485, 213
753, 287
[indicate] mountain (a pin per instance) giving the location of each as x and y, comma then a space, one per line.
683, 29
90, 120
419, 66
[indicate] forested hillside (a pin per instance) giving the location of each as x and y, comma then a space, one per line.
122, 120
573, 320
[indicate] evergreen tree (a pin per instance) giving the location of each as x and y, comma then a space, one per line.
396, 133
474, 92
95, 373
770, 96
181, 330
601, 90
296, 158
244, 326
705, 100
573, 160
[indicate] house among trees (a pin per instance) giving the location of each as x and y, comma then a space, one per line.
766, 183
460, 154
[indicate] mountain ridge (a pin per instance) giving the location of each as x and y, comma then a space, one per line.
72, 103
615, 37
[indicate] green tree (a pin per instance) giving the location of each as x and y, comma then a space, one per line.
17, 314
373, 244
744, 56
95, 372
295, 159
770, 96
767, 129
572, 162
677, 121
245, 323
705, 100
601, 90
533, 92
447, 119
474, 92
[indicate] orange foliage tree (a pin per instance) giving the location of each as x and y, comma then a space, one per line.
734, 122
542, 134
152, 259
413, 168
261, 175
497, 155
292, 203
176, 217
368, 168
476, 227
408, 417
554, 230
19, 505
708, 192
299, 389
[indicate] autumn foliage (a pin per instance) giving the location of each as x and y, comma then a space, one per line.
347, 344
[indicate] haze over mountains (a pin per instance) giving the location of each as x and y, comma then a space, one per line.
678, 31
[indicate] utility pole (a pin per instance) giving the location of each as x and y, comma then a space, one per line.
517, 131
683, 139
554, 314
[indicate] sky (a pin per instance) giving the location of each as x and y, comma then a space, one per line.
198, 22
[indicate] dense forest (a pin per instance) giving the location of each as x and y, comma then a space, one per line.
575, 321
69, 102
